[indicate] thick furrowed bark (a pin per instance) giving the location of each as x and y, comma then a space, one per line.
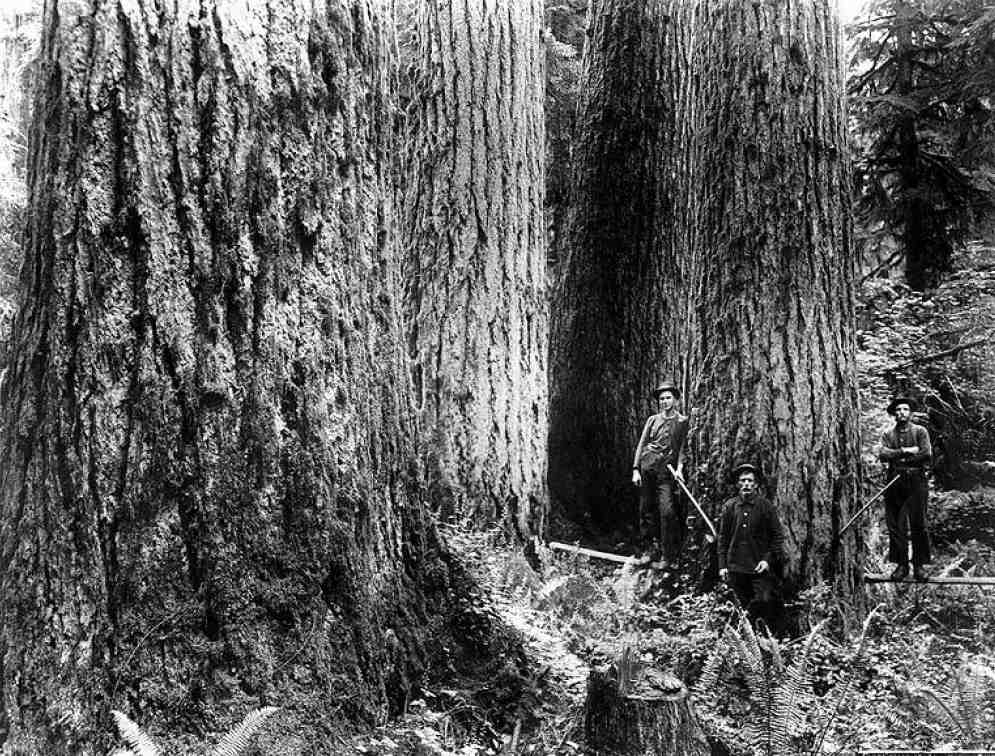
776, 376
208, 489
475, 242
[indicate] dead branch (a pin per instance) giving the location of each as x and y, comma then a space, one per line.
937, 355
888, 262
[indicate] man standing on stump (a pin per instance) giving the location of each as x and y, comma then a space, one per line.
907, 450
661, 444
751, 547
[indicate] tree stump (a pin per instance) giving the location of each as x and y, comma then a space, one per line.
652, 716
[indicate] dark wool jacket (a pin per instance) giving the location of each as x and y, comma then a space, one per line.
749, 533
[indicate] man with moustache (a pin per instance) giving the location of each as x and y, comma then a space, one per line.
907, 450
751, 546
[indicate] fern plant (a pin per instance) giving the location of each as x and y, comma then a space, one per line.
966, 701
141, 744
235, 742
779, 694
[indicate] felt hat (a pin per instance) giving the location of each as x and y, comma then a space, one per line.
913, 404
666, 386
746, 467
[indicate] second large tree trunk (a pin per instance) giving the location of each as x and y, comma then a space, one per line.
475, 275
614, 320
776, 361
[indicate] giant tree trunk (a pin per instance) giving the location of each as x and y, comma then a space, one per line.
777, 379
475, 267
206, 500
614, 322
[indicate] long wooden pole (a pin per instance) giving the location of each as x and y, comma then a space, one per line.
687, 491
864, 508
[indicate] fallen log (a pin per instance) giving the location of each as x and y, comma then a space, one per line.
653, 715
607, 556
937, 580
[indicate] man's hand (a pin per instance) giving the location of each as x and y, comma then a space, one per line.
680, 473
724, 575
636, 478
910, 449
762, 566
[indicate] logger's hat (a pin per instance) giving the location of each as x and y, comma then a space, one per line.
913, 404
665, 386
746, 467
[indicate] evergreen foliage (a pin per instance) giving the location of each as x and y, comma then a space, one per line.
921, 97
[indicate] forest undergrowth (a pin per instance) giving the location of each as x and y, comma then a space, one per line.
912, 667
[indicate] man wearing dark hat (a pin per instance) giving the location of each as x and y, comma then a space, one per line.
907, 450
661, 444
751, 546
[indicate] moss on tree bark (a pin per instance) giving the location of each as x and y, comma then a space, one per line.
210, 497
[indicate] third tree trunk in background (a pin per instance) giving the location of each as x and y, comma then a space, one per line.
614, 312
775, 370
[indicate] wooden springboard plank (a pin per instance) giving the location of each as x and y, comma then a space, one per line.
931, 580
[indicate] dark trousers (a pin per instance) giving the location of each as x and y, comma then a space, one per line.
757, 594
905, 505
659, 513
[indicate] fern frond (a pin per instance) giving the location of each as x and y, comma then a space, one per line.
963, 698
788, 714
751, 662
946, 708
238, 739
709, 677
134, 735
750, 638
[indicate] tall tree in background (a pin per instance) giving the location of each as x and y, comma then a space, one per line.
776, 360
614, 331
921, 93
475, 270
566, 23
206, 445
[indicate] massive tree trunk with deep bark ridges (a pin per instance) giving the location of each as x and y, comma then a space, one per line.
776, 374
615, 327
475, 266
209, 498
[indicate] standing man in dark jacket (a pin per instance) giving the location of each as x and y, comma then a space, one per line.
751, 546
661, 444
907, 450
